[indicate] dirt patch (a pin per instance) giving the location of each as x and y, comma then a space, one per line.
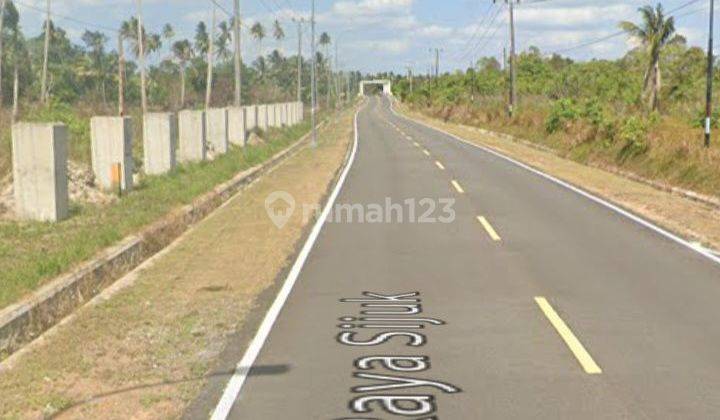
695, 221
81, 189
146, 351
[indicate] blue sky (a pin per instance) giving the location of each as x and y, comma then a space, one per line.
384, 35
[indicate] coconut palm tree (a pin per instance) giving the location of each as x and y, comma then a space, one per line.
183, 53
257, 31
654, 33
278, 33
95, 42
222, 42
202, 39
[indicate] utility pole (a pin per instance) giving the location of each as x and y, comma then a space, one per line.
238, 55
435, 62
710, 68
410, 78
121, 76
512, 94
337, 75
43, 86
299, 58
313, 106
141, 57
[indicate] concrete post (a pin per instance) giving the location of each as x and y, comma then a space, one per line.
192, 136
217, 130
40, 183
301, 111
237, 132
262, 117
160, 133
271, 116
284, 121
251, 117
111, 139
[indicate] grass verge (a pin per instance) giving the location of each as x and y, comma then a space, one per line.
32, 252
146, 351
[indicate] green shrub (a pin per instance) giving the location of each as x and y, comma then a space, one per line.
562, 112
634, 133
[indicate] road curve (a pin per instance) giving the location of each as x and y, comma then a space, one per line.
531, 301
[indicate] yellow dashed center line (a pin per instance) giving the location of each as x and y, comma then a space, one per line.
426, 152
567, 335
416, 144
489, 229
457, 186
439, 165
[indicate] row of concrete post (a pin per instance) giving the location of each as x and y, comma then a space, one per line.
40, 150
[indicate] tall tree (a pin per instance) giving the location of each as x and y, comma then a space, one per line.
17, 54
325, 41
278, 33
654, 33
202, 39
2, 35
183, 53
132, 32
257, 31
46, 51
95, 42
222, 41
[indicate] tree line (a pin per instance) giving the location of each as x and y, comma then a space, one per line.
178, 74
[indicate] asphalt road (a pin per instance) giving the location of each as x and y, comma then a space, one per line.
533, 302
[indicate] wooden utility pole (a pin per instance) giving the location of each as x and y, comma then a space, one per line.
512, 95
710, 71
43, 83
121, 75
238, 55
410, 78
299, 58
210, 57
141, 57
2, 20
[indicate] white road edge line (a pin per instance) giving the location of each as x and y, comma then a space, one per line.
603, 202
235, 384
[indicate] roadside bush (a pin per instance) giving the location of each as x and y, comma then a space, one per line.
562, 112
634, 135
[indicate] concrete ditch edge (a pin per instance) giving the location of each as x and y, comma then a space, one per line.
24, 321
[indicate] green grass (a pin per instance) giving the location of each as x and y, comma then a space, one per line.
32, 253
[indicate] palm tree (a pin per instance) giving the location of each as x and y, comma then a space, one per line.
278, 33
183, 53
129, 31
202, 39
222, 43
258, 33
325, 42
95, 42
17, 53
655, 33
